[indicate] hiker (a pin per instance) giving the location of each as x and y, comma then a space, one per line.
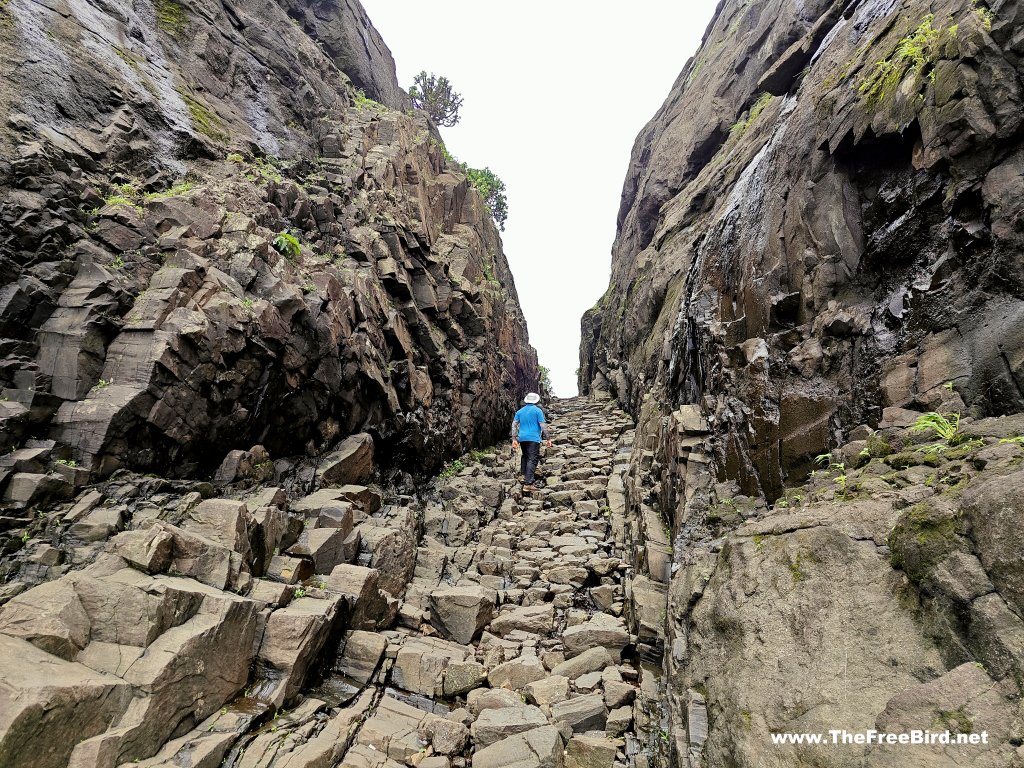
528, 428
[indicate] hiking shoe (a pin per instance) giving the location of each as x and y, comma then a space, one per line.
528, 488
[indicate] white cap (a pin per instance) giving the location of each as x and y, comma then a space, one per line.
533, 397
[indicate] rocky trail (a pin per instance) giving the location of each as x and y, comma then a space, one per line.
472, 626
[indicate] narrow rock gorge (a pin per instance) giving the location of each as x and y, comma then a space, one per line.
819, 245
260, 346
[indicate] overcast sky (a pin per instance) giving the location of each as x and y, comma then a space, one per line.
555, 93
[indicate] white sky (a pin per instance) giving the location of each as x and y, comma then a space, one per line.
555, 93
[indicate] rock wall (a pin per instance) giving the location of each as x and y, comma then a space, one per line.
822, 221
209, 239
818, 241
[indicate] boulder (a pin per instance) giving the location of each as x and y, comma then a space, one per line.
446, 736
591, 752
421, 665
517, 673
361, 655
368, 607
293, 638
592, 660
150, 550
47, 705
461, 677
325, 548
350, 463
548, 690
461, 613
581, 713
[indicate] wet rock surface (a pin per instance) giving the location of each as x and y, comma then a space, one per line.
817, 225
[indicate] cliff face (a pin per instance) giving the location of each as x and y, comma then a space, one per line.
822, 221
819, 240
209, 239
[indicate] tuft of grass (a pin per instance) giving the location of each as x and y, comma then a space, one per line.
121, 200
177, 189
946, 428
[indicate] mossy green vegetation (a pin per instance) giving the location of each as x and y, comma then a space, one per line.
740, 126
915, 55
6, 17
796, 568
923, 535
204, 119
957, 721
171, 17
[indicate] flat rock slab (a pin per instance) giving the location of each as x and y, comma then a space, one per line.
496, 724
537, 748
582, 713
537, 619
602, 631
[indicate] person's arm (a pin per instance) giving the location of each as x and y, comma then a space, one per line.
515, 432
545, 433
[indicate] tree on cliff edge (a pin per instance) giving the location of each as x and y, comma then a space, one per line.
435, 96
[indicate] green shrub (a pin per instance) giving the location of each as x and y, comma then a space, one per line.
545, 378
492, 190
288, 245
362, 101
452, 468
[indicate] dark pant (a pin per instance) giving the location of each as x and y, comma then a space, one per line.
531, 455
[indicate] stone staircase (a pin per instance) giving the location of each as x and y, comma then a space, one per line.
468, 625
